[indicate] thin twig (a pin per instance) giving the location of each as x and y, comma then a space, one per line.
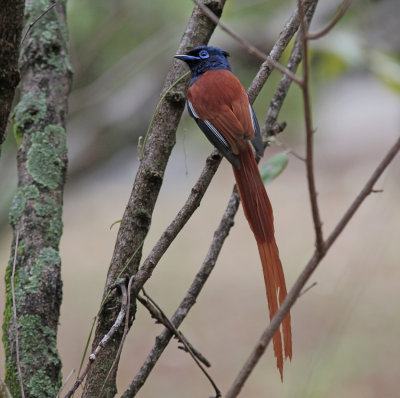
21, 383
345, 5
313, 263
184, 341
271, 126
65, 382
103, 342
159, 315
319, 240
288, 149
288, 31
246, 44
368, 188
307, 289
50, 7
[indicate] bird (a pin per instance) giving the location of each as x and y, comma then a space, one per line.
220, 106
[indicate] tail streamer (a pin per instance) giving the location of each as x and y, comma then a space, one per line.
258, 211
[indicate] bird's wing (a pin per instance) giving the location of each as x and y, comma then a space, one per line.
219, 104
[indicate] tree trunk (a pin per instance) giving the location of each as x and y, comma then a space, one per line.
35, 214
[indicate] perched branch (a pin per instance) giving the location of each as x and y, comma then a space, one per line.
208, 172
106, 338
219, 237
345, 5
313, 263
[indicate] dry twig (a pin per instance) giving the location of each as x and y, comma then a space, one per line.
159, 315
31, 25
182, 339
65, 382
345, 5
313, 263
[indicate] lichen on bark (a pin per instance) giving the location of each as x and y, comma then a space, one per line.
36, 211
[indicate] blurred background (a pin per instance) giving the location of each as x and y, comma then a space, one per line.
345, 329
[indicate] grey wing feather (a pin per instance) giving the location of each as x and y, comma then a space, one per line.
257, 140
214, 136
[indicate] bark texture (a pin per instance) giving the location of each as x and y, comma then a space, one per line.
137, 216
35, 214
11, 23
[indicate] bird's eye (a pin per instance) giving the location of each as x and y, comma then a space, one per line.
203, 54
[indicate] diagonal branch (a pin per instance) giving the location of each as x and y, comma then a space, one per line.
313, 263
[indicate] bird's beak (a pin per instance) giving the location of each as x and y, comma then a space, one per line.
185, 57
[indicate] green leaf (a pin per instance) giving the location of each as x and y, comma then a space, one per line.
273, 167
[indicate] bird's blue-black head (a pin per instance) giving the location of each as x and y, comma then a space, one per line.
202, 59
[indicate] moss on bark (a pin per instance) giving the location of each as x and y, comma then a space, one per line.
36, 211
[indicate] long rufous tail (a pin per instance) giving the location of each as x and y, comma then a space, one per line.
258, 211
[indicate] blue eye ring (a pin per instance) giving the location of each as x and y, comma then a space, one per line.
203, 54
